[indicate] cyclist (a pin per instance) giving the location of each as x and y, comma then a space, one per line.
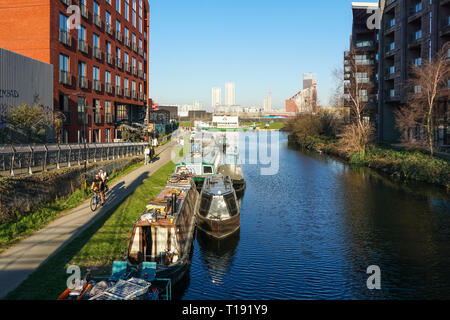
104, 176
99, 186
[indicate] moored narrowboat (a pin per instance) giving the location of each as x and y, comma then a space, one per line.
218, 210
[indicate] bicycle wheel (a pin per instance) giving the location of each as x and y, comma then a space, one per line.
94, 203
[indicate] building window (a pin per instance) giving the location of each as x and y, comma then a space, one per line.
95, 41
418, 62
108, 18
121, 113
417, 89
127, 10
118, 6
107, 77
134, 14
82, 33
118, 81
63, 63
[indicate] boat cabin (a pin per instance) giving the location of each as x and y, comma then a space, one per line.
161, 233
218, 200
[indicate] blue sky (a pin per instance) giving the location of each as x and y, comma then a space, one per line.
260, 45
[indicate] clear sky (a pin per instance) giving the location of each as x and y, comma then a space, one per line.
258, 44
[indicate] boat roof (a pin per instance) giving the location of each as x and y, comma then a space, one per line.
217, 185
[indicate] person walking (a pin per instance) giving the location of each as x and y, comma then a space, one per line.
152, 154
147, 154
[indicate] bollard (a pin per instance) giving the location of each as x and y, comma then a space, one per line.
30, 161
13, 155
58, 158
44, 164
70, 155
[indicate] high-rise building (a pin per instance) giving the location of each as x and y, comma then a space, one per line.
230, 99
268, 103
412, 31
216, 98
102, 63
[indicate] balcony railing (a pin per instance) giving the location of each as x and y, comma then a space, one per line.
109, 29
127, 93
98, 119
64, 37
141, 52
67, 2
97, 85
135, 71
134, 94
127, 42
108, 118
84, 11
82, 82
119, 35
118, 90
127, 67
97, 53
109, 59
83, 46
108, 87
65, 77
141, 74
98, 21
135, 48
119, 63
141, 96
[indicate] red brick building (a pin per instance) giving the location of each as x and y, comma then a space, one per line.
102, 64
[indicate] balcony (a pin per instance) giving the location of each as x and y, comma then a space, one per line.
445, 29
127, 42
65, 38
141, 74
97, 85
65, 77
98, 119
141, 96
108, 88
127, 92
415, 12
98, 53
391, 95
82, 118
135, 71
134, 94
390, 73
83, 46
109, 59
67, 2
98, 20
415, 39
109, 118
84, 11
390, 4
141, 52
118, 90
135, 47
127, 67
67, 118
119, 63
109, 29
145, 76
119, 36
82, 82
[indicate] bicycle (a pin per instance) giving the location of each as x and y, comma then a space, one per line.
95, 201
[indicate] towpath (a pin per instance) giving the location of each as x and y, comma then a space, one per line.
19, 261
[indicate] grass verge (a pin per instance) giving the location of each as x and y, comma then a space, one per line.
100, 244
13, 232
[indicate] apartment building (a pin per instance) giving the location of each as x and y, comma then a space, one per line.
361, 61
100, 68
411, 32
304, 101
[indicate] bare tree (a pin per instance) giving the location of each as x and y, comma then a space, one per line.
428, 84
358, 86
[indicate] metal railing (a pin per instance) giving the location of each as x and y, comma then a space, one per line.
29, 159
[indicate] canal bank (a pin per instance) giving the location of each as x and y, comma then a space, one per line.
311, 230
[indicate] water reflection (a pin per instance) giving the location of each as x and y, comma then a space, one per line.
311, 231
217, 255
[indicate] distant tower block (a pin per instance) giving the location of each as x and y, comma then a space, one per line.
309, 80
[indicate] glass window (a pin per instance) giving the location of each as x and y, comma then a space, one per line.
96, 40
117, 80
108, 47
63, 62
127, 10
108, 17
63, 22
134, 14
107, 77
95, 73
82, 33
118, 6
96, 9
81, 69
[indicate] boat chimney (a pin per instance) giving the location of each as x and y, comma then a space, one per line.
174, 203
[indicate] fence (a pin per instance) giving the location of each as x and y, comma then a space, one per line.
29, 159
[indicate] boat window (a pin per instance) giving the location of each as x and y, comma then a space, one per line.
205, 204
219, 208
231, 204
207, 169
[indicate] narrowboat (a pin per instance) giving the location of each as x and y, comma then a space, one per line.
164, 233
218, 211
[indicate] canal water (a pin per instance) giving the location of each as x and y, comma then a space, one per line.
311, 231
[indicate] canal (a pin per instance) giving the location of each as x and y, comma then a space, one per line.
311, 231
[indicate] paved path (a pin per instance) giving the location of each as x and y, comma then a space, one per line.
18, 262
